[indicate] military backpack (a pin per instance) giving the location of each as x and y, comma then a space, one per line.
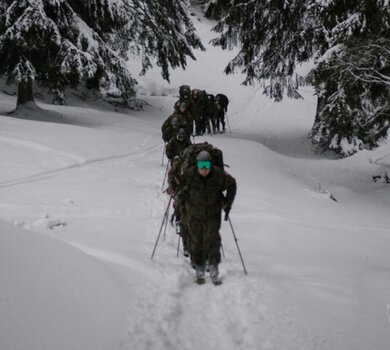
192, 151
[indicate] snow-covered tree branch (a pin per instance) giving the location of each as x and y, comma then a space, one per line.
348, 41
60, 44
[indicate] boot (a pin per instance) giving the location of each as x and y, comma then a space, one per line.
200, 274
178, 227
214, 273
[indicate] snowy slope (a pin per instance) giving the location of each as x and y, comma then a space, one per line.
81, 205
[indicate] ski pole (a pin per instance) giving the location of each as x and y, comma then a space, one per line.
163, 153
162, 225
227, 120
166, 224
238, 248
178, 246
172, 218
165, 176
222, 251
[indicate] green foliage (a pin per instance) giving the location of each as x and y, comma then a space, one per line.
217, 9
162, 30
72, 43
357, 112
348, 41
272, 41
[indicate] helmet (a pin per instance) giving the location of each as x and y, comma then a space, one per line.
181, 134
184, 90
203, 156
210, 97
195, 93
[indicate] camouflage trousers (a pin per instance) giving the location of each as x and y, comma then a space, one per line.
205, 241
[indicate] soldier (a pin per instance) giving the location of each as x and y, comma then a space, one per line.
211, 113
185, 93
177, 145
197, 111
223, 103
223, 99
183, 108
173, 123
203, 187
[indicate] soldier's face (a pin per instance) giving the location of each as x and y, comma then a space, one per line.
203, 172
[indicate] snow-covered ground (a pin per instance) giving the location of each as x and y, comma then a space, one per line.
81, 205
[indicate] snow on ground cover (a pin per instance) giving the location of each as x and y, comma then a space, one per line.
84, 197
55, 297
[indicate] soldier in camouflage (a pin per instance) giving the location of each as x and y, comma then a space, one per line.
183, 108
197, 111
211, 113
172, 125
177, 145
203, 188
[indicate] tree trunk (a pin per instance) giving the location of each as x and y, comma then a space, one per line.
320, 106
25, 92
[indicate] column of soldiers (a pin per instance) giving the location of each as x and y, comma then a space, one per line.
208, 111
196, 179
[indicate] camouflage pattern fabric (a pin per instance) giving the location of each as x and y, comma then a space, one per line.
203, 199
176, 147
169, 131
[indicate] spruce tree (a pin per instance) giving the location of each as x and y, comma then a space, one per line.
217, 9
352, 77
48, 42
72, 43
272, 40
162, 31
339, 37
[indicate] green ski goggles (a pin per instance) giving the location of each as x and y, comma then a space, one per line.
203, 164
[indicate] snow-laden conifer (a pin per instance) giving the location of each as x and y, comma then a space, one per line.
350, 74
72, 43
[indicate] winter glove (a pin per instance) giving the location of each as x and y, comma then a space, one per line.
227, 211
170, 191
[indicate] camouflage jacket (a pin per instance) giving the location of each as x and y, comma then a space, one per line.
211, 111
197, 108
174, 175
176, 147
169, 131
204, 196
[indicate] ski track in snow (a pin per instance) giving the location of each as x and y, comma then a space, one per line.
40, 147
56, 172
177, 313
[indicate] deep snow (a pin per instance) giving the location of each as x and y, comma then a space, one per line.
81, 205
